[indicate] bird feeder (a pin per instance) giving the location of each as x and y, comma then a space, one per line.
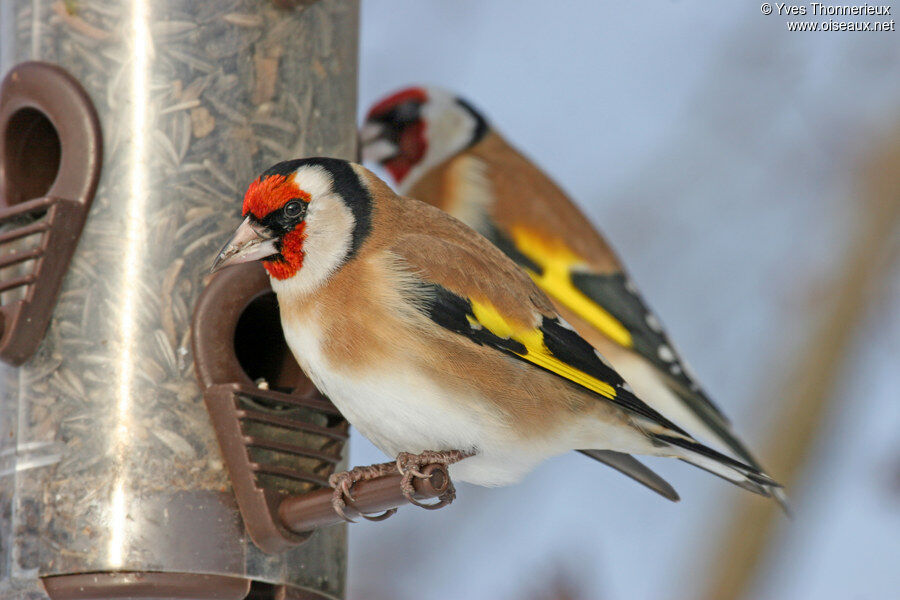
128, 132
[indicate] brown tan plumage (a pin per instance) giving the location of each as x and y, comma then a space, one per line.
429, 339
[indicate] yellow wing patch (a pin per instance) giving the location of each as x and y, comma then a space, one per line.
556, 261
536, 351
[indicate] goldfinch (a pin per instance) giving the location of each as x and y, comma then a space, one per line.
440, 150
433, 343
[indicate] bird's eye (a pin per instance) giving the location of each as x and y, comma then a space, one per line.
294, 208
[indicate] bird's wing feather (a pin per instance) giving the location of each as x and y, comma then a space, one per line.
525, 216
508, 313
617, 295
621, 299
607, 301
611, 304
466, 285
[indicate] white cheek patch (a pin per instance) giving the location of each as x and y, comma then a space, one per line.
378, 151
449, 129
314, 180
328, 233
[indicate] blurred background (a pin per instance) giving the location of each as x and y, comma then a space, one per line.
748, 177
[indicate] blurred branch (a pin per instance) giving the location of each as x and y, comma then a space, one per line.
811, 382
562, 587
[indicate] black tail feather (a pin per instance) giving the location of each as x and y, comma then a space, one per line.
630, 466
753, 480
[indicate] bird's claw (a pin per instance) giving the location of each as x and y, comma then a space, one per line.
409, 465
342, 484
388, 513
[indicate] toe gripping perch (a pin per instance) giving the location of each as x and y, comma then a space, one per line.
281, 440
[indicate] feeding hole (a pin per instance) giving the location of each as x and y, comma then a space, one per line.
261, 349
32, 156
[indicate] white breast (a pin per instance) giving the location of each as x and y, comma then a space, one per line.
400, 410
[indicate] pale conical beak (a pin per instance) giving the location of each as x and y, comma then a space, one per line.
374, 145
250, 242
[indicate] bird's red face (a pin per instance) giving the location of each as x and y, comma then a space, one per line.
275, 202
274, 213
394, 133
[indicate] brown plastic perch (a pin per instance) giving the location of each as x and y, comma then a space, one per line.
307, 512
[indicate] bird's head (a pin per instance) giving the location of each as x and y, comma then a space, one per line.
307, 215
417, 128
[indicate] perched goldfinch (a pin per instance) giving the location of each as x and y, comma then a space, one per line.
440, 150
431, 341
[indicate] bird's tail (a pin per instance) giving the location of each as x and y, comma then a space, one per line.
630, 466
743, 475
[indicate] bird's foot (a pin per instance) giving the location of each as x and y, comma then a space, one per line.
342, 484
409, 466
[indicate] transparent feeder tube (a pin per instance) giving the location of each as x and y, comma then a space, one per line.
194, 99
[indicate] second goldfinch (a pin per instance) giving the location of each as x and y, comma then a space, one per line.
430, 340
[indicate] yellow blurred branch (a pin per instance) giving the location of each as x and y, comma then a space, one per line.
810, 383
